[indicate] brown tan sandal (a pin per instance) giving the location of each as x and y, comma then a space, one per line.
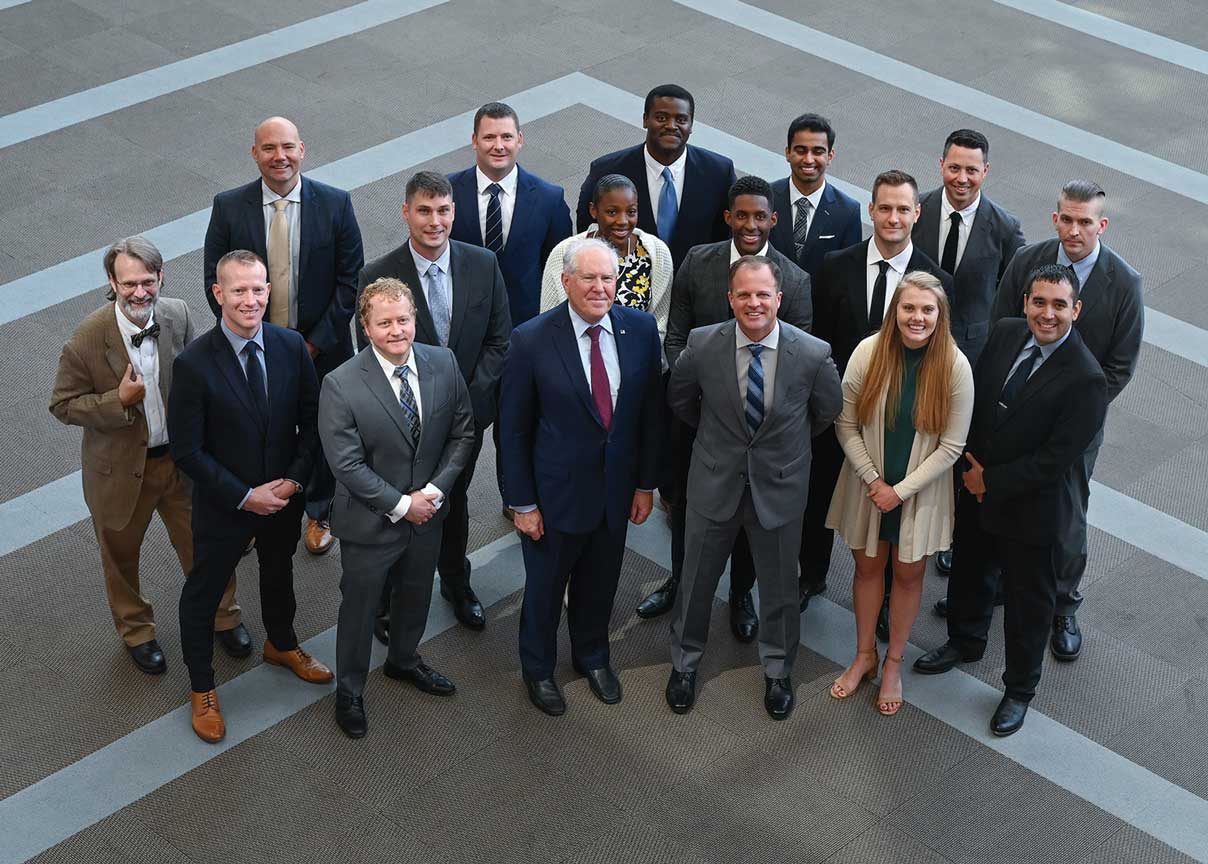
837, 690
889, 707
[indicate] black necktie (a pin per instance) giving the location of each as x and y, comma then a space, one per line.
151, 332
255, 378
493, 239
1014, 386
948, 262
876, 309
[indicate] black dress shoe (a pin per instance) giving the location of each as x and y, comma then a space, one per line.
1067, 638
236, 642
941, 607
1008, 717
943, 562
942, 659
605, 684
381, 629
466, 607
546, 695
681, 691
660, 600
806, 590
423, 676
744, 623
148, 657
350, 715
883, 622
778, 697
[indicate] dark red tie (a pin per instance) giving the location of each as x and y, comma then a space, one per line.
601, 393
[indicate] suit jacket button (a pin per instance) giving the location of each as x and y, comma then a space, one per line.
138, 473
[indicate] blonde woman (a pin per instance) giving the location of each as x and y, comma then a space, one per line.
907, 403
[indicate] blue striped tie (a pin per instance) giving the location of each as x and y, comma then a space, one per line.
754, 409
406, 399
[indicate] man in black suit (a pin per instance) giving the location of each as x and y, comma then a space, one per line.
1111, 325
242, 425
812, 216
699, 297
681, 189
852, 293
1041, 399
461, 302
973, 239
307, 233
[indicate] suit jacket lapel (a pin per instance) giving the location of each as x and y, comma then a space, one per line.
728, 366
821, 218
167, 327
229, 364
621, 339
568, 349
693, 198
1097, 283
253, 200
427, 393
469, 205
524, 201
857, 285
979, 234
634, 167
404, 265
462, 280
309, 225
783, 230
929, 226
279, 365
115, 351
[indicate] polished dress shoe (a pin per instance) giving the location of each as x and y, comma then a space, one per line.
883, 622
318, 536
660, 600
744, 623
350, 715
466, 607
207, 719
807, 590
299, 662
604, 683
940, 660
1008, 717
148, 657
1067, 638
545, 695
681, 691
236, 642
941, 607
778, 697
423, 676
943, 562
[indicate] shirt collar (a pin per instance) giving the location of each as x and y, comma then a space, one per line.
388, 367
507, 184
581, 326
815, 197
771, 341
946, 208
735, 254
1046, 351
268, 196
655, 167
237, 341
127, 327
1082, 268
422, 264
898, 262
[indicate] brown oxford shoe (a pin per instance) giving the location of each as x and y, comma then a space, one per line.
207, 719
299, 662
318, 536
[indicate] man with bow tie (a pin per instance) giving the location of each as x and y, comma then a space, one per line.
113, 380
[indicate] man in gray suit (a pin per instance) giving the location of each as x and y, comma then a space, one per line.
1111, 324
757, 390
397, 427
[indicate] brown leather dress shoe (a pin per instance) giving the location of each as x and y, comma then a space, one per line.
299, 662
318, 536
207, 719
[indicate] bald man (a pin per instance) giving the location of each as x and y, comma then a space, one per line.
308, 234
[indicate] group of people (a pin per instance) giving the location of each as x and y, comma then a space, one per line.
938, 389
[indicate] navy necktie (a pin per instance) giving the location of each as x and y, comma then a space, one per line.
255, 378
1015, 384
493, 238
754, 406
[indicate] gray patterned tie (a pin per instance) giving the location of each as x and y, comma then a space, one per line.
438, 304
406, 398
801, 223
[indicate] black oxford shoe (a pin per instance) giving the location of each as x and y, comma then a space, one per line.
940, 660
1067, 638
808, 590
744, 623
778, 697
350, 715
423, 676
605, 684
236, 642
681, 691
941, 607
545, 695
943, 562
660, 600
381, 629
466, 606
1008, 717
883, 622
148, 657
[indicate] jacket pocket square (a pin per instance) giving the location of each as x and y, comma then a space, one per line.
826, 236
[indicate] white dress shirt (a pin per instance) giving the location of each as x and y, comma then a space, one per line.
422, 266
897, 269
815, 199
145, 359
507, 200
293, 212
404, 503
654, 180
608, 351
735, 254
966, 225
767, 358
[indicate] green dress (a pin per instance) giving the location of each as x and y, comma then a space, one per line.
900, 439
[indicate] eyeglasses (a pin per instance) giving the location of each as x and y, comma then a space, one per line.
146, 284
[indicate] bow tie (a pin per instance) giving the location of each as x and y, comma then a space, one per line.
137, 339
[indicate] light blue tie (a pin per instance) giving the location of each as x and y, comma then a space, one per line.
668, 208
754, 410
438, 304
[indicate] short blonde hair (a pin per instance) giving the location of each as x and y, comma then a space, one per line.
386, 288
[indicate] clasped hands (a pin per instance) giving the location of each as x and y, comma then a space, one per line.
532, 526
267, 498
975, 478
883, 496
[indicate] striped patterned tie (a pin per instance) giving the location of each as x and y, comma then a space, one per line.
406, 398
493, 238
801, 223
754, 409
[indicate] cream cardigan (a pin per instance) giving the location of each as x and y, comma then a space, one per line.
552, 292
926, 490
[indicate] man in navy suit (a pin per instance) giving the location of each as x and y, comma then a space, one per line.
581, 421
307, 233
812, 216
681, 189
242, 424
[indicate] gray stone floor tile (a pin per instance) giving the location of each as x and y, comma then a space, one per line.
1179, 19
30, 79
35, 25
119, 839
1169, 738
886, 845
196, 28
107, 56
1166, 489
1131, 844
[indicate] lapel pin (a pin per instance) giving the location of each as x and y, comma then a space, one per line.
622, 332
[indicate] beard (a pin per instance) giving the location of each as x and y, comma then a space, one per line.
139, 314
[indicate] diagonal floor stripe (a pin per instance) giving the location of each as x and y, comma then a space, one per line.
1116, 32
1047, 130
97, 101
